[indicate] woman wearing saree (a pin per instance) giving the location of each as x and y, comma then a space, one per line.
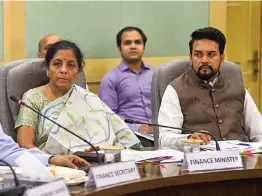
69, 105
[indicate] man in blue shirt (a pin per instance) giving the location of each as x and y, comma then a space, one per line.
10, 151
126, 89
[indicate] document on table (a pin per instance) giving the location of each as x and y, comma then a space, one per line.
247, 144
6, 169
231, 145
147, 136
129, 155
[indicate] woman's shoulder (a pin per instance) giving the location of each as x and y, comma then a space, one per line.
35, 95
34, 92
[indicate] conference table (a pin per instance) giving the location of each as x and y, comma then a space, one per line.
246, 181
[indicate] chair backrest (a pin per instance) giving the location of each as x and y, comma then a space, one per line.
167, 72
5, 114
19, 79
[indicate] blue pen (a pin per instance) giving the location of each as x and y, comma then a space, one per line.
243, 144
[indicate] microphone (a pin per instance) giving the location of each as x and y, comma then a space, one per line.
131, 121
20, 102
18, 190
13, 172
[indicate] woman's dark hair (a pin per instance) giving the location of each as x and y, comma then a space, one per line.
209, 33
64, 45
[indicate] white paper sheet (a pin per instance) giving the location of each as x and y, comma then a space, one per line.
6, 170
231, 145
128, 155
147, 136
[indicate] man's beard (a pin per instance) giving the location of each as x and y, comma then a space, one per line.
206, 76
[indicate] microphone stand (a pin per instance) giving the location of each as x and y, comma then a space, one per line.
131, 121
18, 190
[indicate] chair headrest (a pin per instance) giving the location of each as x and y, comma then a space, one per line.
23, 78
6, 119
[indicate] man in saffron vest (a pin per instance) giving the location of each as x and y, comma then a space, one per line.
202, 98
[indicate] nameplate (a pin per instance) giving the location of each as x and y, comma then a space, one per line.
54, 188
213, 160
109, 174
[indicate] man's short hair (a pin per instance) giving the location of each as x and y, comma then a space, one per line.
209, 33
130, 28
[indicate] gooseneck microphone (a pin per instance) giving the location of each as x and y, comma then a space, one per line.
13, 172
131, 121
9, 189
20, 102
